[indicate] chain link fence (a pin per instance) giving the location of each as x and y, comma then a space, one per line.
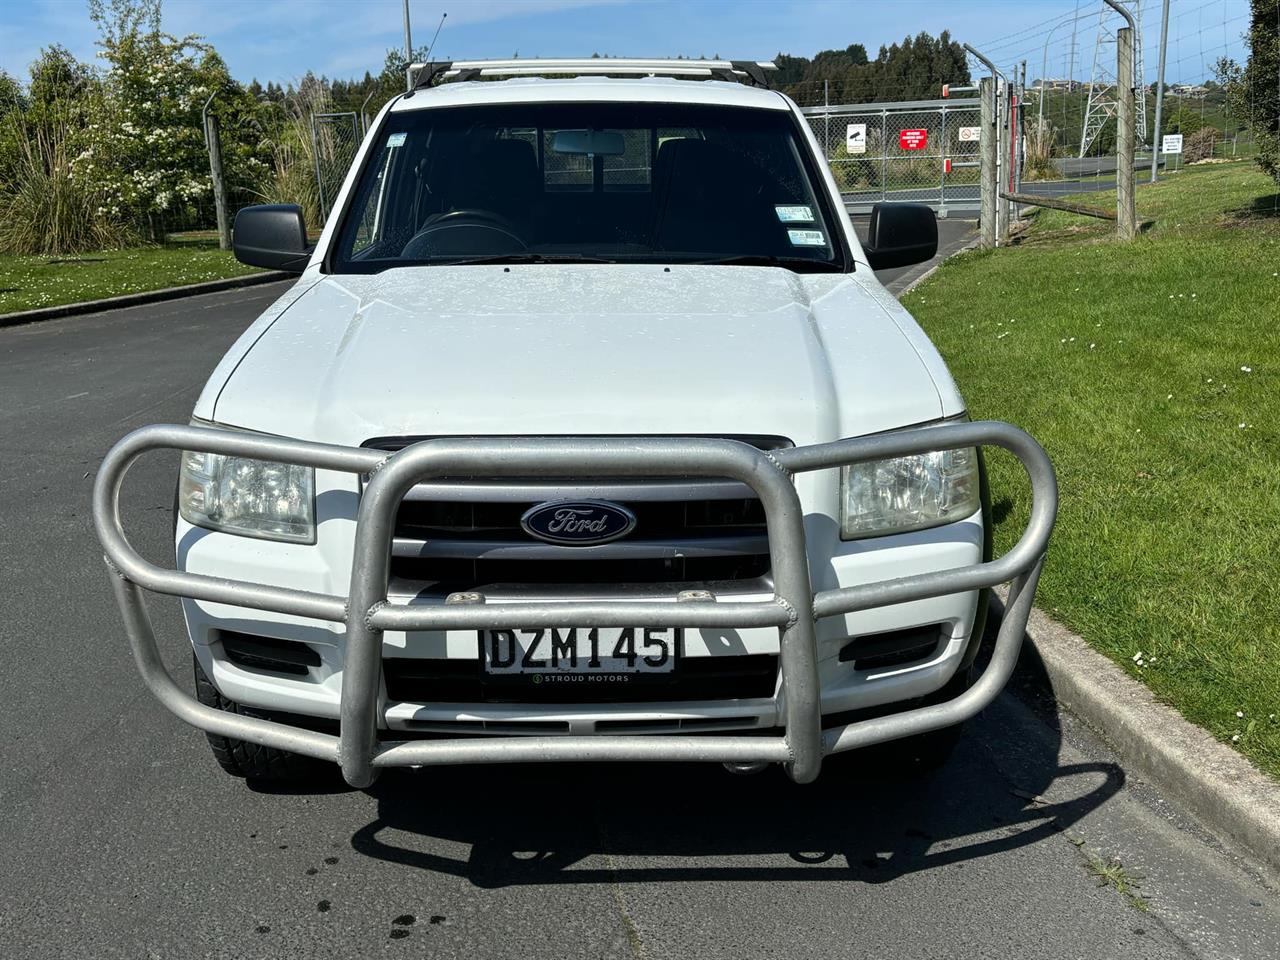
919, 151
335, 137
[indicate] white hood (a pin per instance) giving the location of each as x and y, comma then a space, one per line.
585, 349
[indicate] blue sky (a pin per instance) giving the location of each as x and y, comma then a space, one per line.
282, 39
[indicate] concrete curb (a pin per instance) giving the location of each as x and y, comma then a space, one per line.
916, 281
1232, 798
1225, 792
140, 299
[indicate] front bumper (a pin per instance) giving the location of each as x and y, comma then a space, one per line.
795, 613
845, 685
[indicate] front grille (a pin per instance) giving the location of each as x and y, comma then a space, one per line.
655, 520
449, 574
464, 533
436, 681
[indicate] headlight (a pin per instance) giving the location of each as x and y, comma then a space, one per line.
253, 498
908, 493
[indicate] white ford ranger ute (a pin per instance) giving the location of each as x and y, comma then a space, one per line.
586, 433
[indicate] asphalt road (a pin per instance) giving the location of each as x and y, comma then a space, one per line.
962, 200
953, 235
121, 837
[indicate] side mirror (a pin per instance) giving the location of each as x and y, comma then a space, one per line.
272, 235
901, 234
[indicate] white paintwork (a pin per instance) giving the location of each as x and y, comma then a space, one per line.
581, 349
594, 90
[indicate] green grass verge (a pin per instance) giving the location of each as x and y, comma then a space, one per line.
27, 283
1150, 371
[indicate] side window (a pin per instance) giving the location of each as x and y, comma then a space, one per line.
371, 226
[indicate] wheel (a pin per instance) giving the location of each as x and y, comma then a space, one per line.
929, 751
250, 761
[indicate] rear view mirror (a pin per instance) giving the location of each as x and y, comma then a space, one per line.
604, 143
901, 234
272, 235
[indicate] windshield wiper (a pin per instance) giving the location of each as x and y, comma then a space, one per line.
798, 264
521, 258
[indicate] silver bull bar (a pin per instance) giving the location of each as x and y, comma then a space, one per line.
366, 611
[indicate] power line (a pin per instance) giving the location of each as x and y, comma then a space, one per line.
1028, 43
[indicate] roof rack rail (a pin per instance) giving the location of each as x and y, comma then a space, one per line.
751, 72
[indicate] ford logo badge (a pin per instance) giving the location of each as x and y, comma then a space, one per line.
578, 523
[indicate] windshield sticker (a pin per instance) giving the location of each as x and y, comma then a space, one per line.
795, 214
807, 238
396, 140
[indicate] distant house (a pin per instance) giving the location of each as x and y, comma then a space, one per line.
1188, 89
1049, 84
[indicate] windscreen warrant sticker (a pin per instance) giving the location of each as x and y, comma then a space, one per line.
806, 238
794, 214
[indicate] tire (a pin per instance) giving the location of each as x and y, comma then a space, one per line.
919, 755
250, 761
930, 751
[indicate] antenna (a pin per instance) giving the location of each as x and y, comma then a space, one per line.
432, 45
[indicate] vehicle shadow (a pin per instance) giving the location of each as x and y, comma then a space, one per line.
1260, 207
869, 817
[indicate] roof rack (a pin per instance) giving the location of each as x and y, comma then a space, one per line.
751, 72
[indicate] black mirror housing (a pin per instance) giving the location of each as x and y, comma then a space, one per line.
272, 235
901, 234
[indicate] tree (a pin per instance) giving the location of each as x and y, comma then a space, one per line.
1183, 119
149, 149
1253, 95
914, 69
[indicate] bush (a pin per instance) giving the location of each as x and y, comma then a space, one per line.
45, 209
292, 174
1038, 156
1199, 146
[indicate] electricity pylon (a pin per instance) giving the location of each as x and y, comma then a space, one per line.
1102, 103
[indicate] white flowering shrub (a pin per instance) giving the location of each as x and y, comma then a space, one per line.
44, 131
147, 149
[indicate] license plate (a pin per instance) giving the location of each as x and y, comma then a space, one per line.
578, 651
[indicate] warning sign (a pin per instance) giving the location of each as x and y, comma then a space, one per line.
855, 138
913, 139
1172, 143
970, 134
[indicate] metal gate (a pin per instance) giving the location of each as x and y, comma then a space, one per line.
335, 137
917, 151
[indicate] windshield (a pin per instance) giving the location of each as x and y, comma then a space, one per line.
587, 182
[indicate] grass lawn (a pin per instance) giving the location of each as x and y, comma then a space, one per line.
1150, 371
30, 282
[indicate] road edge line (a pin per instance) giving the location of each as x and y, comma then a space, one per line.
1219, 787
142, 298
